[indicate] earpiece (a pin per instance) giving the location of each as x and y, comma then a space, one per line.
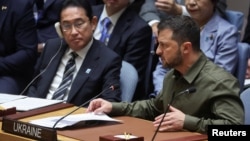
58, 29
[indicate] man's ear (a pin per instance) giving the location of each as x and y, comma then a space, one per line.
58, 29
94, 23
186, 46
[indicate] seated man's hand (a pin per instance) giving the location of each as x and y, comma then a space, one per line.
173, 120
99, 106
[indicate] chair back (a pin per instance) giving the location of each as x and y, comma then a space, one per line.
245, 98
128, 81
243, 51
236, 18
152, 62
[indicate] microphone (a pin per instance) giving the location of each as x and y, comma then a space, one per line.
187, 91
112, 88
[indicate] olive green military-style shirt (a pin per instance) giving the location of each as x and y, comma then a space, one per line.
216, 100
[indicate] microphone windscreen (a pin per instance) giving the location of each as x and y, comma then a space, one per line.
192, 90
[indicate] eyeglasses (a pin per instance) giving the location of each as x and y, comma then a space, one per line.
78, 25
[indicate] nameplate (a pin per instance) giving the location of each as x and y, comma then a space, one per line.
28, 130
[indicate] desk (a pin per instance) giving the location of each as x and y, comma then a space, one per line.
138, 127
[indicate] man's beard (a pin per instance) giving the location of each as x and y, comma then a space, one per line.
176, 61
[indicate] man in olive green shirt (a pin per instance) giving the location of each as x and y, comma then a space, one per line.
215, 100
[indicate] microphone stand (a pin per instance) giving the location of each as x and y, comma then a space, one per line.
187, 91
165, 112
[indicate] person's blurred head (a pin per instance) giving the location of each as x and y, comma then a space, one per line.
113, 6
201, 10
77, 23
177, 36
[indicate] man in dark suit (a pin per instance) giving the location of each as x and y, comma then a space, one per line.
18, 45
129, 36
47, 15
97, 67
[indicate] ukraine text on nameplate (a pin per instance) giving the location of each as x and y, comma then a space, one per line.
28, 130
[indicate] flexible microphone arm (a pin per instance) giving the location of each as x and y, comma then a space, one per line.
37, 76
112, 88
187, 91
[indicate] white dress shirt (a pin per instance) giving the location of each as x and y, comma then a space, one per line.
59, 74
113, 18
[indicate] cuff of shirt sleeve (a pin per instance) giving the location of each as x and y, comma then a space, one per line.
116, 109
191, 123
184, 11
153, 22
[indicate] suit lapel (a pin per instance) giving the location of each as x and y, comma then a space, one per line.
87, 69
122, 24
4, 9
120, 28
208, 34
52, 69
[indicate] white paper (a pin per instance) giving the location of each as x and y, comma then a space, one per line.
9, 97
29, 103
126, 136
71, 120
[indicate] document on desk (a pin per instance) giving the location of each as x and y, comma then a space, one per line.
29, 103
71, 120
9, 97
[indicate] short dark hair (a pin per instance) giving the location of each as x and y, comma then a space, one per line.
78, 3
214, 2
184, 29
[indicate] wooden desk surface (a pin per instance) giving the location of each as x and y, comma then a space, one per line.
137, 127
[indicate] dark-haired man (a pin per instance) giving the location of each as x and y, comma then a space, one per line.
77, 67
216, 99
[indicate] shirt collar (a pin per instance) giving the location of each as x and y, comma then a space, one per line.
82, 53
194, 71
113, 18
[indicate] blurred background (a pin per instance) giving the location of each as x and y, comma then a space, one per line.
240, 5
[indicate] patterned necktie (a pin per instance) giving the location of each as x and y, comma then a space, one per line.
67, 78
105, 28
